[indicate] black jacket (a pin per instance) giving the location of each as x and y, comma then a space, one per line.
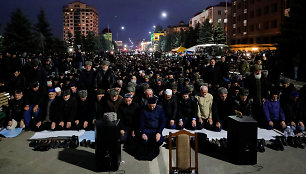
292, 111
85, 110
129, 116
69, 109
170, 107
250, 83
223, 109
35, 97
54, 112
188, 109
104, 80
16, 109
99, 109
86, 80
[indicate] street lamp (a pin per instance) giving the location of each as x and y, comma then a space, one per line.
122, 28
164, 14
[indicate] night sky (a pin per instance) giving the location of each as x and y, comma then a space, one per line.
137, 16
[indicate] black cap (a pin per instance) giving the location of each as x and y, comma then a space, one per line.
100, 91
35, 84
152, 100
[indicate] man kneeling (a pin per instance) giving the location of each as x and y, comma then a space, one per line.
152, 123
49, 113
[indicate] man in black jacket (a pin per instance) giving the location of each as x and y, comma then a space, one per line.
187, 111
169, 105
87, 78
258, 92
68, 111
33, 99
85, 113
293, 112
16, 111
223, 107
213, 74
105, 78
49, 113
128, 113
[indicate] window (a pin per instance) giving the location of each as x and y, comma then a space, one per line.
274, 7
274, 24
219, 20
266, 25
251, 40
252, 1
258, 12
219, 12
252, 28
266, 9
258, 27
252, 14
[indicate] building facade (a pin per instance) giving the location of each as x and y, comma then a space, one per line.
107, 34
176, 29
155, 37
255, 21
78, 16
217, 15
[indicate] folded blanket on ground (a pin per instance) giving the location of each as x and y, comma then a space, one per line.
11, 133
56, 134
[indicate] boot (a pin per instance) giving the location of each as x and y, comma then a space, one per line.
298, 143
291, 142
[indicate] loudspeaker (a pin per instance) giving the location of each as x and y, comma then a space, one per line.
242, 140
108, 147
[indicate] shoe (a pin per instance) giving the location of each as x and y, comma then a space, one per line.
223, 144
298, 143
291, 142
92, 145
33, 143
83, 142
87, 143
261, 145
276, 144
284, 141
54, 144
74, 142
43, 146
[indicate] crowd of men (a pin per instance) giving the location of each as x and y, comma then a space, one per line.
147, 93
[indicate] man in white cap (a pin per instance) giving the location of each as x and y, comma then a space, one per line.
169, 105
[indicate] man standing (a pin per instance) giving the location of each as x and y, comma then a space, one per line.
258, 92
105, 78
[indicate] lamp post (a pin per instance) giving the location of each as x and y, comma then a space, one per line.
122, 28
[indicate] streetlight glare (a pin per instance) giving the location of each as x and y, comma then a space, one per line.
164, 14
122, 28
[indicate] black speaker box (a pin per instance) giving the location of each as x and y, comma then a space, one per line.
242, 140
108, 147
